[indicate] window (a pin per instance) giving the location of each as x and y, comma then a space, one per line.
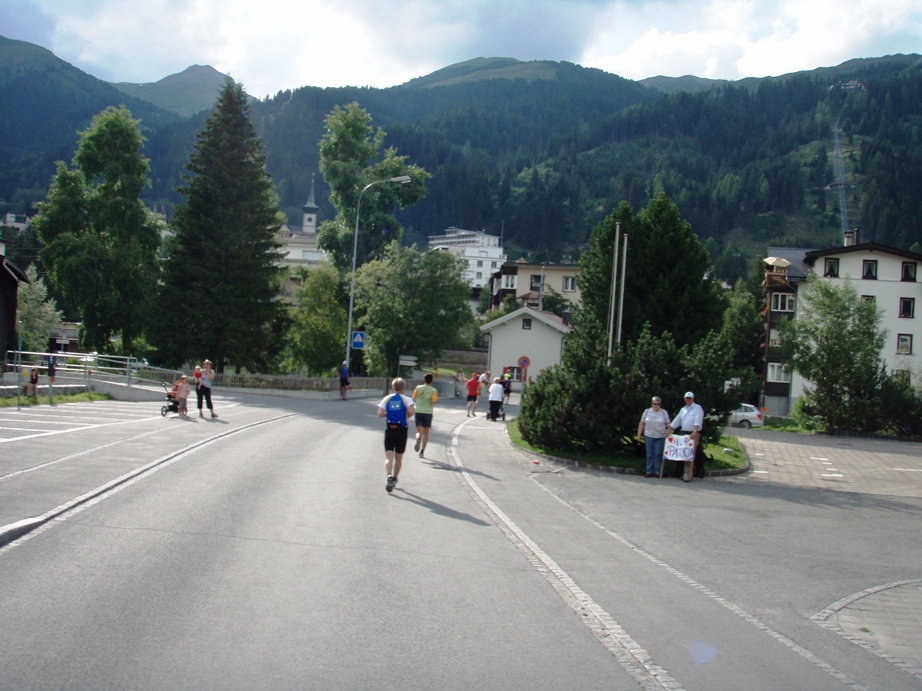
774, 338
904, 344
869, 298
515, 372
909, 271
782, 302
907, 308
493, 265
832, 268
480, 263
479, 275
569, 283
536, 282
509, 281
526, 324
869, 269
778, 372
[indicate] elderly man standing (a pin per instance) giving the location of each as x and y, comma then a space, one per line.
689, 421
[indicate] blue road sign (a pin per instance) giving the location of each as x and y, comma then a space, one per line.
358, 340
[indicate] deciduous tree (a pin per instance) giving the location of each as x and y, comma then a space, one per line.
315, 339
835, 343
412, 303
100, 240
36, 312
351, 158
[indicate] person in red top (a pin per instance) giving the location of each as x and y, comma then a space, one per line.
473, 391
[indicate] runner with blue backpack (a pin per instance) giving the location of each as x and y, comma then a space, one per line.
397, 409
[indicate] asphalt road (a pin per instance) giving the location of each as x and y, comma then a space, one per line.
260, 550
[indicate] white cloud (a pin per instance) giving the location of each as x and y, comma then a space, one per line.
270, 45
730, 39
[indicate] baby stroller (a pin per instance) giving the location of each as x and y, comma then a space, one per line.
172, 405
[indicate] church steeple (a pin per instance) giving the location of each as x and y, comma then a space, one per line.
310, 208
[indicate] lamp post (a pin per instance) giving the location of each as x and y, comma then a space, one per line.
402, 179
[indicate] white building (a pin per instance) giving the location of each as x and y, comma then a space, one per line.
524, 343
886, 275
299, 243
483, 253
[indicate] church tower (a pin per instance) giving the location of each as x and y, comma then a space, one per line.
310, 208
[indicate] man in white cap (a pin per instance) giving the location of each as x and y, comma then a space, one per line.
344, 384
689, 421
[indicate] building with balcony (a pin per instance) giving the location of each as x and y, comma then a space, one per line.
886, 275
526, 283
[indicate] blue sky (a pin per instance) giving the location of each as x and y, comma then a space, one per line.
269, 45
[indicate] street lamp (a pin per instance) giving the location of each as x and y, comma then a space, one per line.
402, 179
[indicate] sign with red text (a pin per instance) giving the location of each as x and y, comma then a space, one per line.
679, 448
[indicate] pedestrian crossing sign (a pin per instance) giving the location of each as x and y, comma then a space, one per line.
358, 340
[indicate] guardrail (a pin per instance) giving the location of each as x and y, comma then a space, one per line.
92, 368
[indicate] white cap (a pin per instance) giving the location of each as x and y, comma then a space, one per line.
689, 394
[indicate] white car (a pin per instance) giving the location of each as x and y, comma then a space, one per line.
746, 416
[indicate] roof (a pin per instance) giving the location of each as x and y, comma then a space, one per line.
14, 270
798, 269
811, 256
548, 318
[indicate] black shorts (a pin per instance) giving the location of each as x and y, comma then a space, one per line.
472, 397
343, 383
395, 438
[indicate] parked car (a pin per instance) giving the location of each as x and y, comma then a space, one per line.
746, 416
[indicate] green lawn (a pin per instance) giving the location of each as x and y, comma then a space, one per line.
636, 461
43, 400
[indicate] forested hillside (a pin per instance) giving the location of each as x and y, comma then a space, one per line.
44, 102
542, 151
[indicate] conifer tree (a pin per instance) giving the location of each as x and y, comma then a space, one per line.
220, 292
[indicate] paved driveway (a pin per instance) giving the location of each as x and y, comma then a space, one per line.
847, 464
885, 619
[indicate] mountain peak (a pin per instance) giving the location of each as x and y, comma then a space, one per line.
185, 93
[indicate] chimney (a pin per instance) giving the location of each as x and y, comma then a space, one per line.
851, 237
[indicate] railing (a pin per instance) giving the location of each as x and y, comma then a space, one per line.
83, 366
87, 367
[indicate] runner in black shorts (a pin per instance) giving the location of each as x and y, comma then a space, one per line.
397, 409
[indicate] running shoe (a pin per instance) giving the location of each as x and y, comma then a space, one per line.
419, 441
391, 481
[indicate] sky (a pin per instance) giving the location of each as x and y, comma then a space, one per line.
272, 45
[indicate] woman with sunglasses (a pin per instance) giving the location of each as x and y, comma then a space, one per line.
652, 431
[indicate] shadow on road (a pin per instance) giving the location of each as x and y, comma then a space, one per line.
437, 508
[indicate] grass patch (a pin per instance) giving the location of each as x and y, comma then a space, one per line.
722, 460
44, 400
784, 424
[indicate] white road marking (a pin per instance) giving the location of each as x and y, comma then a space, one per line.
632, 657
736, 609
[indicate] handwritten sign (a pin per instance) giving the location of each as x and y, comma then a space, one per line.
679, 448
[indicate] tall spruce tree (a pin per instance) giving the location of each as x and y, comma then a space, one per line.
100, 241
220, 297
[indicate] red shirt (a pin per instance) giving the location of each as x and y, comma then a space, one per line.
473, 387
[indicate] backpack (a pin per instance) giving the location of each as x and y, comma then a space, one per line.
396, 410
